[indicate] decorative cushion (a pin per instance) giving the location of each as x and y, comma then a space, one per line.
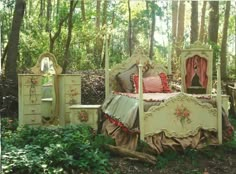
135, 83
124, 79
152, 84
164, 80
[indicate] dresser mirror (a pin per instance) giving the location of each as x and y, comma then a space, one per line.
47, 67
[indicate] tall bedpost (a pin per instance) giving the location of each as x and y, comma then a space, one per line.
219, 108
107, 89
141, 112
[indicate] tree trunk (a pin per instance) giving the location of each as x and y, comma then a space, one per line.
58, 32
143, 157
68, 40
98, 40
130, 30
105, 27
194, 21
174, 9
174, 20
213, 29
49, 11
12, 52
180, 28
202, 26
41, 13
86, 42
147, 32
153, 15
83, 10
224, 42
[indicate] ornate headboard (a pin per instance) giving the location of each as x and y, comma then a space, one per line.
139, 56
196, 69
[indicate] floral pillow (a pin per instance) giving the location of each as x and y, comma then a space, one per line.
124, 79
152, 84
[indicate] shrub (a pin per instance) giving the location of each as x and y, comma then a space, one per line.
54, 150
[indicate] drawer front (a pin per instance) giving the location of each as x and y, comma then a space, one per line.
71, 100
31, 90
32, 119
34, 99
67, 118
31, 80
73, 90
72, 80
32, 109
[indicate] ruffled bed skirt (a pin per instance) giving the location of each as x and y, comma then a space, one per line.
158, 143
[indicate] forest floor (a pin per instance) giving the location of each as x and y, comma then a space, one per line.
221, 162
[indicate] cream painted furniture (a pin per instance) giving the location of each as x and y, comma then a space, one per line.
196, 60
166, 116
69, 94
85, 114
30, 111
224, 101
46, 94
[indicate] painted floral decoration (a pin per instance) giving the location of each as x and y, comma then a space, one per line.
83, 116
183, 114
34, 81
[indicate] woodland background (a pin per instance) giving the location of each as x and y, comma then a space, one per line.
75, 30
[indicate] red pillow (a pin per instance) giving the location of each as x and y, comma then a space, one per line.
135, 83
164, 80
152, 84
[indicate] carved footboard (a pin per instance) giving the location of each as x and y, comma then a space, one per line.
180, 116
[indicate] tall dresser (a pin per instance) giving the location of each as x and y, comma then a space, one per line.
35, 107
69, 94
29, 87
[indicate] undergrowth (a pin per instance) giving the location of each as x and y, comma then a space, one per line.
73, 149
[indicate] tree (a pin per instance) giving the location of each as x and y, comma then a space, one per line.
97, 48
69, 35
224, 42
153, 16
202, 25
130, 30
174, 22
194, 21
49, 12
213, 29
180, 27
12, 52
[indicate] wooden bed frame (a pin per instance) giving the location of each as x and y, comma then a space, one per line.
166, 117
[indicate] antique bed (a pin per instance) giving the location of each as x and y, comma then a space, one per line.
162, 118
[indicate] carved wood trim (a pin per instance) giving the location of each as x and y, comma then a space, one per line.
36, 69
203, 51
139, 56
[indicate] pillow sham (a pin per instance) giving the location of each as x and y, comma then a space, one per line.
124, 79
152, 84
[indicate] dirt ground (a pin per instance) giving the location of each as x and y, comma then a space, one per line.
213, 161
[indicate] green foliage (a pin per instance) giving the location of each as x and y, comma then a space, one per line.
165, 158
54, 150
8, 124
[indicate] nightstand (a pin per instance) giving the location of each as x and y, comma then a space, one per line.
85, 114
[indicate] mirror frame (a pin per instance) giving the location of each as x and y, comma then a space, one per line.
37, 68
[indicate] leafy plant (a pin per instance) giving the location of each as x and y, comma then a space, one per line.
54, 150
